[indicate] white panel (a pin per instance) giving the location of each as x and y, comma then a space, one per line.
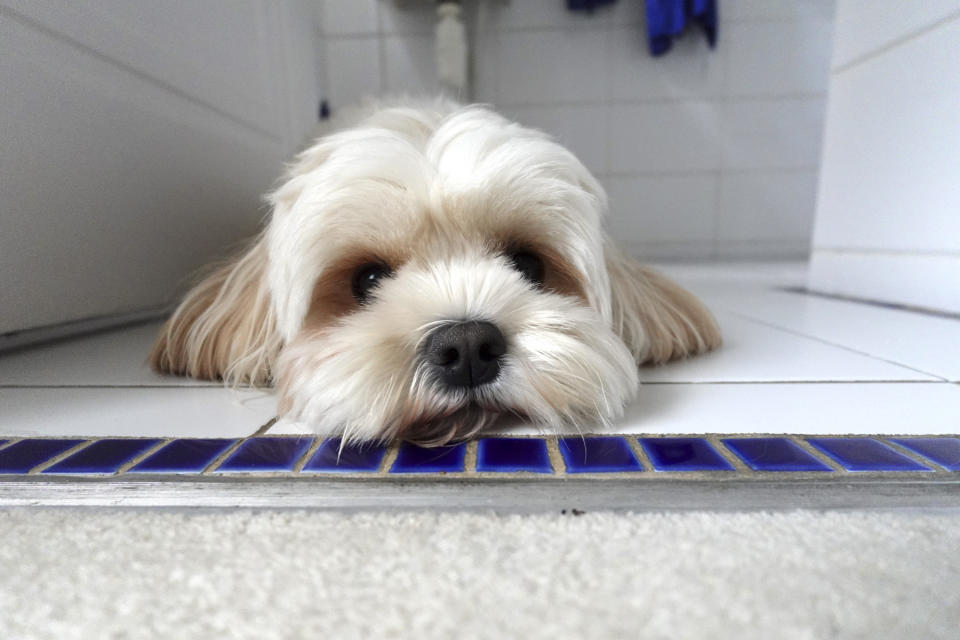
354, 65
580, 129
662, 208
773, 133
767, 205
778, 58
552, 66
677, 136
114, 186
349, 17
928, 281
893, 131
411, 67
864, 26
690, 70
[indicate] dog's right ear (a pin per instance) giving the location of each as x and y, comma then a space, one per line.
224, 329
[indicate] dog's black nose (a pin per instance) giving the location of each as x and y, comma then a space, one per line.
466, 354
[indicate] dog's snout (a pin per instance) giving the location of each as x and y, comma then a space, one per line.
466, 354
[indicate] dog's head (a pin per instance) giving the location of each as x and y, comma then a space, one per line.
430, 270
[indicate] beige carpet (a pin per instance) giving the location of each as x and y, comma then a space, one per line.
284, 574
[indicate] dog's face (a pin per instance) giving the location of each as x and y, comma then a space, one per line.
427, 272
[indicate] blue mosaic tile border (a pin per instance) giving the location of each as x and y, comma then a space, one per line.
536, 457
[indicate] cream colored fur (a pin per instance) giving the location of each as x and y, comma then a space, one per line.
438, 192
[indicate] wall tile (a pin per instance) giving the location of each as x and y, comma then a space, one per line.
552, 66
409, 18
680, 136
767, 10
582, 129
781, 133
410, 67
778, 58
540, 14
765, 205
348, 17
691, 70
662, 208
354, 65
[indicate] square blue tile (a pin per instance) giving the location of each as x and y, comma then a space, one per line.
944, 451
414, 459
186, 455
351, 458
513, 454
22, 456
104, 456
598, 455
865, 454
683, 454
774, 454
266, 454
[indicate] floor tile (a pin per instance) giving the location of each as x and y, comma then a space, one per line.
186, 455
773, 454
414, 459
944, 451
331, 457
266, 454
104, 456
513, 454
753, 352
109, 358
169, 412
598, 455
22, 456
865, 454
683, 454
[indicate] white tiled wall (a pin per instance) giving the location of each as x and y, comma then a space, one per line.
888, 216
705, 153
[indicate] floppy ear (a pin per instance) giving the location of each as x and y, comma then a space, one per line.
657, 319
224, 328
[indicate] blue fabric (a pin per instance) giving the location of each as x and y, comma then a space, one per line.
667, 19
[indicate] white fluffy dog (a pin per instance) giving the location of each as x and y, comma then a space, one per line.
427, 270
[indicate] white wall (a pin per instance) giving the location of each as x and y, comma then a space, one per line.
888, 216
705, 154
137, 139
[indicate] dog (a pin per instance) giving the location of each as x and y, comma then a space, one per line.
425, 271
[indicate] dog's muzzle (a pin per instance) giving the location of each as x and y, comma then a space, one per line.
466, 354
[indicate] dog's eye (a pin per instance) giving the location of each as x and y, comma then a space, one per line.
367, 277
529, 265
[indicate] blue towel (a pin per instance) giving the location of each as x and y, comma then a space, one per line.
667, 19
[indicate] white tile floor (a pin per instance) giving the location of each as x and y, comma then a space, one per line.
791, 363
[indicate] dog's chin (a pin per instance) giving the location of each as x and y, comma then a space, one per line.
451, 425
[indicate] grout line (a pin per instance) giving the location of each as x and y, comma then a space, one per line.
10, 442
470, 458
66, 454
556, 458
210, 468
895, 43
727, 454
837, 345
265, 427
126, 466
801, 442
913, 455
388, 459
308, 454
633, 441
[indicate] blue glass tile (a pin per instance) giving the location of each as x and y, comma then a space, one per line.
598, 455
683, 454
774, 454
330, 458
414, 459
513, 454
865, 454
944, 451
187, 455
22, 456
266, 454
104, 456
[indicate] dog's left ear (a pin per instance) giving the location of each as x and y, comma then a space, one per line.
657, 319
